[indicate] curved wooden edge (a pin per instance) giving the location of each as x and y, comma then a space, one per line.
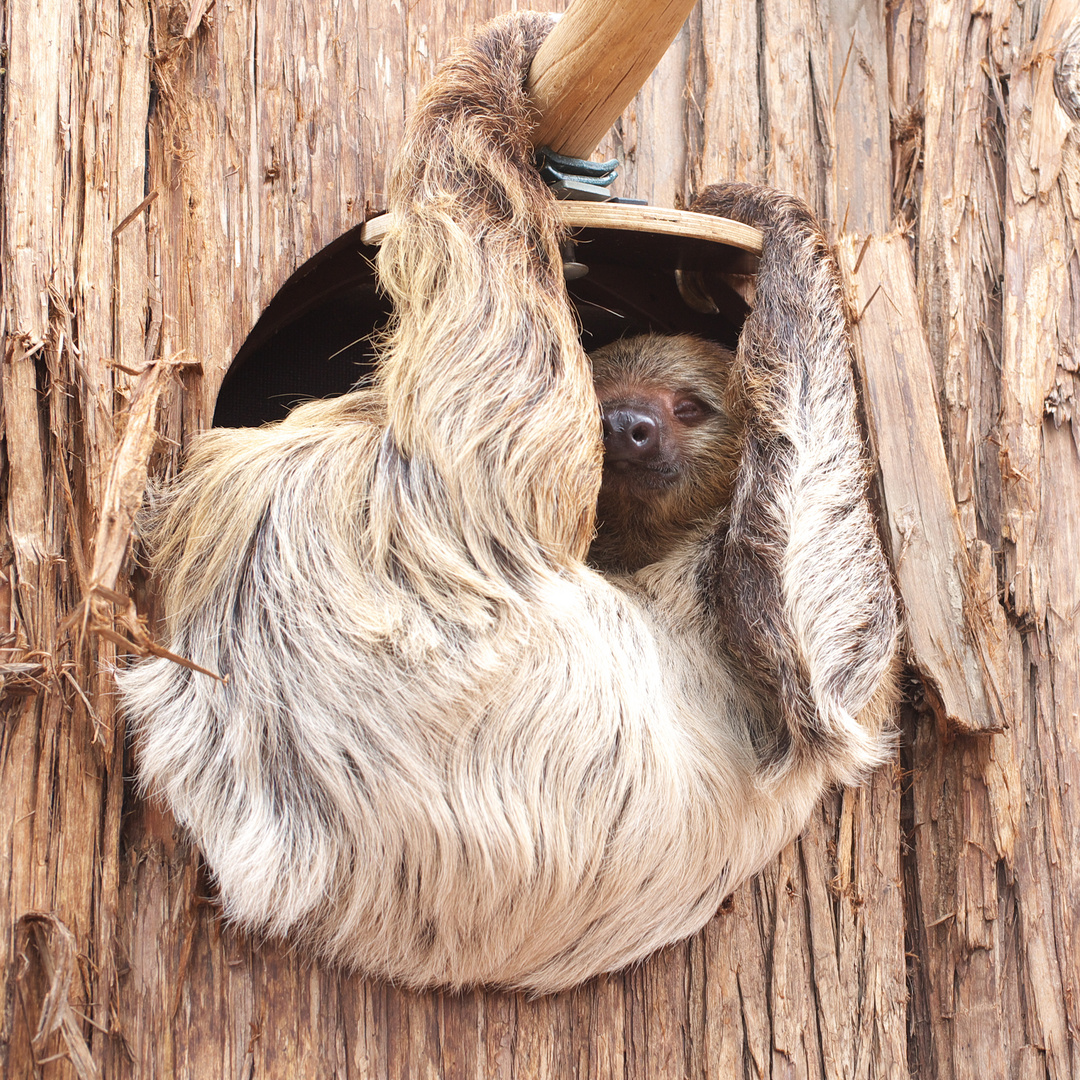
657, 219
652, 219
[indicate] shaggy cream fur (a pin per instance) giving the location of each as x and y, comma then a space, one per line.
448, 751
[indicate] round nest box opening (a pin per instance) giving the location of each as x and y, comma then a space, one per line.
629, 270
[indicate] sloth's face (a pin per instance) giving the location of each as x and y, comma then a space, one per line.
669, 447
649, 436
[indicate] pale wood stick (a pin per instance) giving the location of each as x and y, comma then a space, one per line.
593, 63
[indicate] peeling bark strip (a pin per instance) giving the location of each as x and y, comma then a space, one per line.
265, 128
955, 625
55, 949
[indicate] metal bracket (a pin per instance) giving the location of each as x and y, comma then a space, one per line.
574, 178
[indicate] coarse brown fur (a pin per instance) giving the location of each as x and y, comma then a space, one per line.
448, 750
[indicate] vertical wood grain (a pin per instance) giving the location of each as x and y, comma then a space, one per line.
163, 174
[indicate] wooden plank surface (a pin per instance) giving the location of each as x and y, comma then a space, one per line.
924, 925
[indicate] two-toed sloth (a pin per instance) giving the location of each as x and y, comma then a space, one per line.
452, 748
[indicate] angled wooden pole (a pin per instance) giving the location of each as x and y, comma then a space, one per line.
593, 63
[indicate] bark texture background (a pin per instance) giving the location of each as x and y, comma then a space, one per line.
166, 166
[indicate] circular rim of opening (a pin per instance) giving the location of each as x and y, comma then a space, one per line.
654, 219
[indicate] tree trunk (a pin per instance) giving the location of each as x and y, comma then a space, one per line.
166, 168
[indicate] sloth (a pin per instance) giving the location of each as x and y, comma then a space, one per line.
449, 744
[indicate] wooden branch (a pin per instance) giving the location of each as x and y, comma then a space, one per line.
593, 63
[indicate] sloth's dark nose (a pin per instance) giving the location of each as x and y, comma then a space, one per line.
630, 434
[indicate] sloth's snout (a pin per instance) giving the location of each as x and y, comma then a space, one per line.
631, 434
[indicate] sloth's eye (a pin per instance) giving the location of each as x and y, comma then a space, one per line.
690, 410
